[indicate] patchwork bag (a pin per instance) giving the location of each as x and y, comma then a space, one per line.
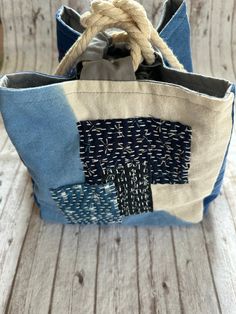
146, 150
173, 28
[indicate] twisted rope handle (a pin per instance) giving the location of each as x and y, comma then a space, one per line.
129, 16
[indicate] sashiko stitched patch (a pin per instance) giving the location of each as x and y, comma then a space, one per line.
163, 145
133, 187
121, 159
88, 204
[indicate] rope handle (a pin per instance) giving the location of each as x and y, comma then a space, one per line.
131, 17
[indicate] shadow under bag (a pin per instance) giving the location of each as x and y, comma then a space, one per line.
148, 149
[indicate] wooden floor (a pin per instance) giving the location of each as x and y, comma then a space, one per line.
54, 269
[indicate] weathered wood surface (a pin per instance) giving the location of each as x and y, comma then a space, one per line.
54, 269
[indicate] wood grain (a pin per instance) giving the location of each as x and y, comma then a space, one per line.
54, 269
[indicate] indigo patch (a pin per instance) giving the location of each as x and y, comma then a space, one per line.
88, 204
133, 188
164, 146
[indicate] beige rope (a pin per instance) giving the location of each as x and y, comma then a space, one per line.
128, 15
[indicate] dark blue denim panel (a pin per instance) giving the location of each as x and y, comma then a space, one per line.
88, 204
66, 36
176, 33
165, 146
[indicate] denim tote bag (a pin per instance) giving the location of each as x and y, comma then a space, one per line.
173, 28
131, 152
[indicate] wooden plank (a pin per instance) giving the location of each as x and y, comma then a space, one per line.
25, 266
76, 271
4, 136
196, 286
200, 19
13, 225
1, 41
36, 271
66, 271
10, 166
229, 192
221, 39
25, 33
157, 274
230, 178
80, 6
41, 23
220, 238
15, 210
233, 41
9, 38
117, 289
16, 16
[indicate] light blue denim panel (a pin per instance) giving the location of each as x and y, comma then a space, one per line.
88, 204
158, 218
51, 154
176, 33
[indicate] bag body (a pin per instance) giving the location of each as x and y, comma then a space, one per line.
173, 28
126, 139
132, 152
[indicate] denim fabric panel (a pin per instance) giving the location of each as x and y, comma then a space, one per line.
163, 145
132, 182
45, 136
66, 36
219, 181
156, 218
88, 204
51, 213
177, 35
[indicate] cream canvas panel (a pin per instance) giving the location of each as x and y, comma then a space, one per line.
210, 119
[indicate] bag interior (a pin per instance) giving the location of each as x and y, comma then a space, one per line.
154, 73
71, 18
171, 7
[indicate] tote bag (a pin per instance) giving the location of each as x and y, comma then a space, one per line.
137, 152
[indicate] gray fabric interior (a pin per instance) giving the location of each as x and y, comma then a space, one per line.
118, 70
171, 6
29, 80
205, 85
198, 83
97, 48
158, 73
72, 19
